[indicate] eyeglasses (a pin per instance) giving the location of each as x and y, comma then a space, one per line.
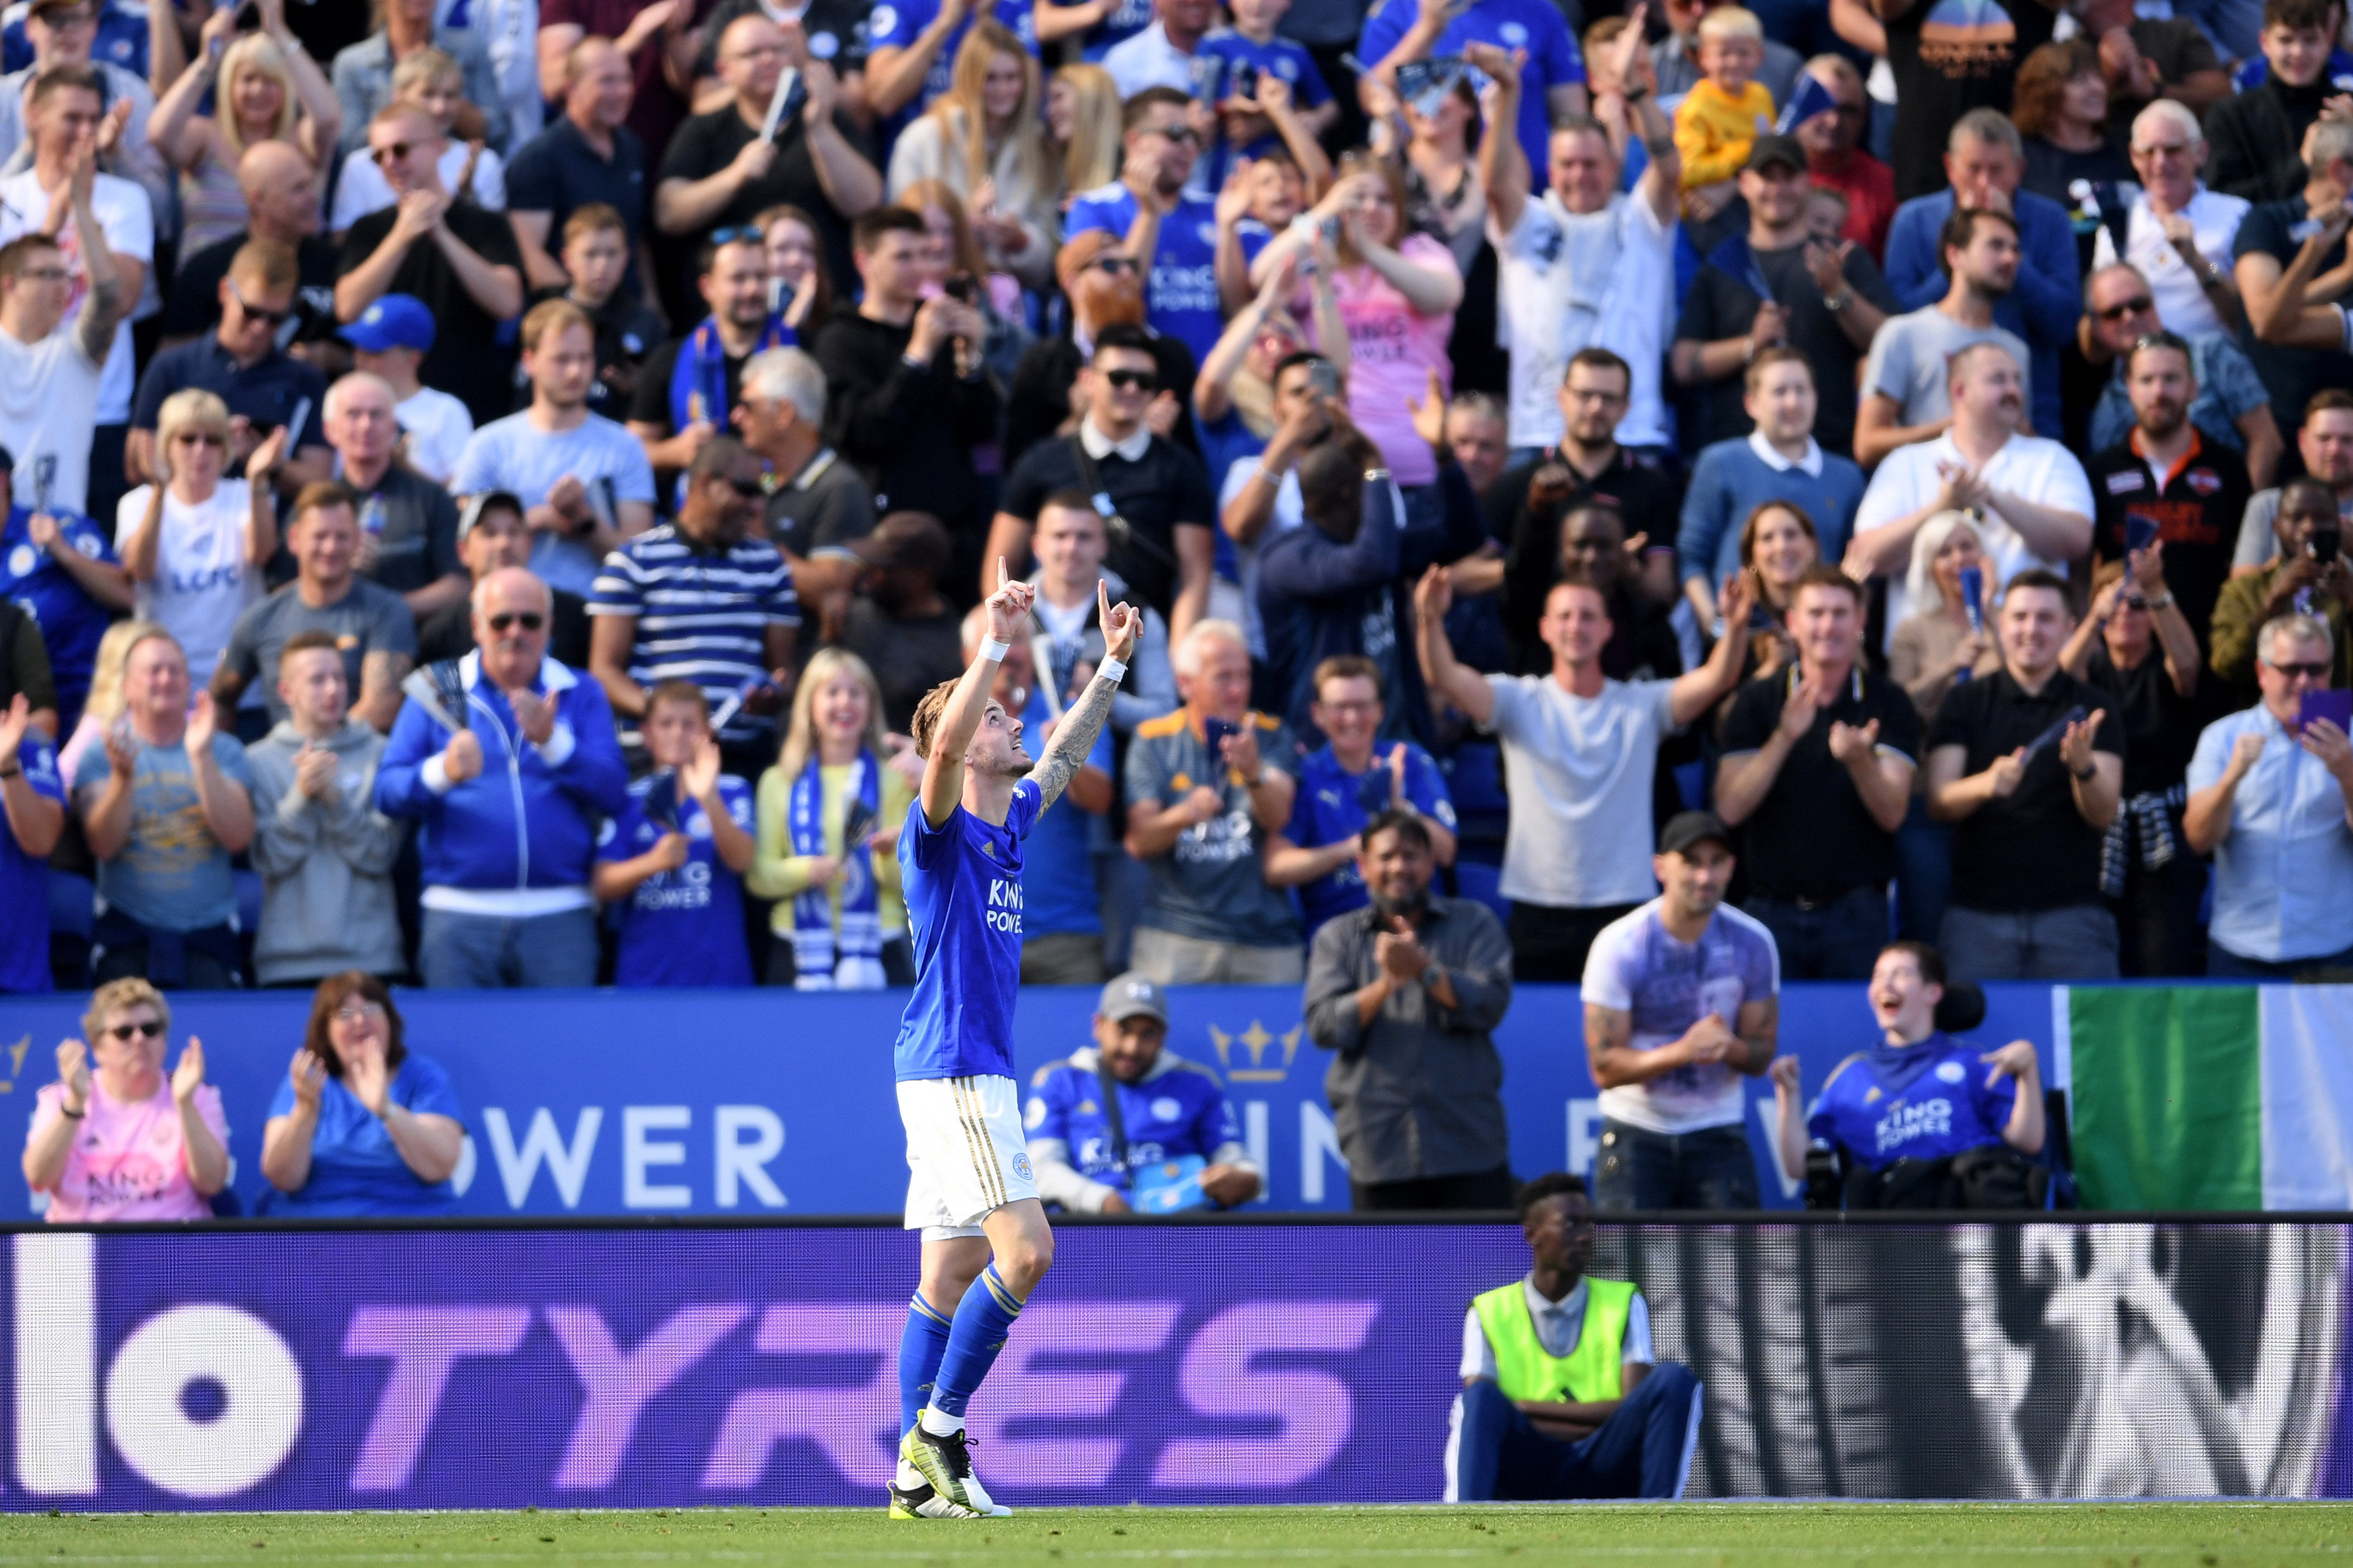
1176, 133
1133, 380
736, 234
2132, 307
1115, 265
358, 1012
148, 1028
392, 153
2302, 671
46, 274
529, 620
200, 439
262, 313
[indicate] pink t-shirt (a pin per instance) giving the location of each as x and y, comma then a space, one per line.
1392, 349
129, 1160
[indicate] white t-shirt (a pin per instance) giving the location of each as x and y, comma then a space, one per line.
438, 425
1665, 986
48, 401
203, 582
1579, 770
2041, 470
362, 189
1569, 281
2181, 304
127, 219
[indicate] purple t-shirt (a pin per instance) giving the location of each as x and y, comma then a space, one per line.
1637, 966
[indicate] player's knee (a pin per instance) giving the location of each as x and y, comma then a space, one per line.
1026, 1261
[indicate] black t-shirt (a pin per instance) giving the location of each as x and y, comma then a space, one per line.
824, 507
909, 655
2050, 169
1950, 57
707, 144
1647, 499
650, 402
1811, 836
448, 632
1721, 305
194, 304
1164, 488
557, 173
465, 360
416, 543
2197, 513
2290, 376
2161, 726
2032, 850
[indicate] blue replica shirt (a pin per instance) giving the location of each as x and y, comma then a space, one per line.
1126, 19
683, 927
1234, 62
71, 622
1534, 25
1332, 805
354, 1169
1058, 876
962, 881
1178, 1108
1181, 298
1913, 1102
897, 24
120, 39
1225, 441
24, 881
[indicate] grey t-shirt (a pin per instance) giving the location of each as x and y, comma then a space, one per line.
172, 873
1908, 360
1209, 884
368, 619
822, 508
1579, 770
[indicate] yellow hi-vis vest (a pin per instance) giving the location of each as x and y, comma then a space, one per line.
1525, 1370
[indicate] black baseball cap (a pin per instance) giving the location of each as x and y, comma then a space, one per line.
1686, 828
1777, 149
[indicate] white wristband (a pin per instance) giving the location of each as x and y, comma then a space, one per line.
993, 650
1110, 669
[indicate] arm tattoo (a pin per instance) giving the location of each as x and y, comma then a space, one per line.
1073, 739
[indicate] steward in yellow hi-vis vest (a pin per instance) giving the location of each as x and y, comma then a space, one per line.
1561, 1395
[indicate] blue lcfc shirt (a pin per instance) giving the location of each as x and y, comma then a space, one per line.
1225, 441
71, 622
962, 881
683, 927
1058, 876
1919, 1102
1535, 25
24, 881
1330, 807
1181, 297
355, 1168
1282, 57
897, 24
1178, 1108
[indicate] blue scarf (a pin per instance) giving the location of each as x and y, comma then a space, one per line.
698, 383
1898, 1066
823, 959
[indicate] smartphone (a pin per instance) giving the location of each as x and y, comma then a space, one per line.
2334, 706
1243, 81
1973, 597
961, 287
1323, 378
2327, 545
2140, 532
1217, 732
2051, 736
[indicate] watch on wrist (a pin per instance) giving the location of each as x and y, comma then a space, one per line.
1839, 301
1635, 94
2162, 602
2089, 769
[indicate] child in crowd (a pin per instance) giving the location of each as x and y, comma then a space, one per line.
1722, 116
1826, 210
674, 859
1256, 115
433, 81
596, 260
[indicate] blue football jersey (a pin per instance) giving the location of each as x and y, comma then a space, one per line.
1331, 806
1178, 1108
1921, 1102
962, 881
683, 927
71, 622
1180, 297
1237, 61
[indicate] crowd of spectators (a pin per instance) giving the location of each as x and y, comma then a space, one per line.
488, 487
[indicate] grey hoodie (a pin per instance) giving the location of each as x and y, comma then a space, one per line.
326, 865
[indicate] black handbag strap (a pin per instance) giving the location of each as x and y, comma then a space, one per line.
1122, 533
1114, 1118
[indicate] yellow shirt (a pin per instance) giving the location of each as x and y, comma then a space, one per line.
777, 873
1715, 131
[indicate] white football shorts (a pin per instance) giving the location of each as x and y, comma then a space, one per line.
966, 1153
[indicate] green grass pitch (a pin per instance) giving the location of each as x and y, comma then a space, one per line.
1709, 1535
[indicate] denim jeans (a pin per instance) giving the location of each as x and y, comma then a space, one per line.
2075, 942
1643, 1450
1836, 939
489, 952
1712, 1168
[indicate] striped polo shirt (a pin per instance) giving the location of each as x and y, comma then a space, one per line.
703, 615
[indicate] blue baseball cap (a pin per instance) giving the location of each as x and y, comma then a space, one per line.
394, 321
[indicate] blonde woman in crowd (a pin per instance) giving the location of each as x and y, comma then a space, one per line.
1082, 126
264, 86
116, 1137
196, 541
985, 140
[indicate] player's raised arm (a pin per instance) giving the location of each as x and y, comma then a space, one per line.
944, 767
1075, 735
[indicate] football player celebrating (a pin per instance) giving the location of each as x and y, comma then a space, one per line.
970, 1189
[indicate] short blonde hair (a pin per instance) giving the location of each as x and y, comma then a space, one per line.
1730, 22
426, 68
191, 408
131, 990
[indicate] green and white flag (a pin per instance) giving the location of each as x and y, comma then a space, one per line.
2223, 1097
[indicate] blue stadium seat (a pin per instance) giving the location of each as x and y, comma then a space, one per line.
1481, 883
1474, 781
73, 904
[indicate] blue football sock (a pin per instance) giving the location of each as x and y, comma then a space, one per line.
983, 1320
921, 1344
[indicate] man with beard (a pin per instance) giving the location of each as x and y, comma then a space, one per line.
2166, 482
1148, 206
690, 387
2228, 403
2037, 503
1406, 992
1905, 395
700, 601
1106, 287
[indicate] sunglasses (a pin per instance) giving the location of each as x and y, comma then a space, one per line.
1132, 379
394, 153
200, 439
1115, 265
735, 234
529, 620
1177, 133
2132, 307
150, 1028
2135, 602
2307, 671
261, 313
